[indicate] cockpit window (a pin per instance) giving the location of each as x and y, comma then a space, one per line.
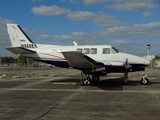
115, 49
112, 51
106, 50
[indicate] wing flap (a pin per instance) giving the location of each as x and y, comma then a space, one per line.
20, 50
81, 61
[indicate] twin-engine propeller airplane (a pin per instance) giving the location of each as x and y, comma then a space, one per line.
92, 60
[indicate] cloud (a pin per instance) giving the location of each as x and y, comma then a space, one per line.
80, 15
52, 11
4, 37
99, 19
120, 42
3, 21
39, 35
105, 20
114, 36
63, 1
37, 0
148, 14
79, 36
124, 45
4, 42
132, 5
74, 1
74, 36
137, 31
93, 2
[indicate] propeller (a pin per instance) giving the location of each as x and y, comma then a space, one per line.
127, 65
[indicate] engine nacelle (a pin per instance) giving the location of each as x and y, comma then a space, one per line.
102, 69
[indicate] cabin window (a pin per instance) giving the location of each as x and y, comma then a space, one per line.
79, 49
93, 50
86, 50
106, 50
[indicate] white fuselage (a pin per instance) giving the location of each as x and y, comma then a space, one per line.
113, 57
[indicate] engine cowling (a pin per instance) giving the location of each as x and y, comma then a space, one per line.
101, 69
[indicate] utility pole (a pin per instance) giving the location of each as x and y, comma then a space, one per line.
1, 65
28, 66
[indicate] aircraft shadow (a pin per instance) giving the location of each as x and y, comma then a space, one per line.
70, 79
110, 84
105, 84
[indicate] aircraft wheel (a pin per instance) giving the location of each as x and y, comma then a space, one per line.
144, 81
95, 78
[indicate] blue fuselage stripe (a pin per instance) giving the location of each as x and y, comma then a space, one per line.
109, 68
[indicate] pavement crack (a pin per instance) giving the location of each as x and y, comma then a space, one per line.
151, 92
57, 104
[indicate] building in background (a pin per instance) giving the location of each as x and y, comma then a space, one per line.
149, 56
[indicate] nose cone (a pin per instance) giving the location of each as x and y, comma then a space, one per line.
142, 61
147, 62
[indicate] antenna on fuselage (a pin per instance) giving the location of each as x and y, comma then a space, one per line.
75, 43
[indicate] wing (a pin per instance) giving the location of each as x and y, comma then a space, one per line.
20, 50
81, 61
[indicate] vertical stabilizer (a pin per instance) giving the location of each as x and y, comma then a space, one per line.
18, 37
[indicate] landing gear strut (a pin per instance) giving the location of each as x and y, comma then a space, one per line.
85, 79
125, 77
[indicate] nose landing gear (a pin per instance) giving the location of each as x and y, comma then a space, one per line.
144, 80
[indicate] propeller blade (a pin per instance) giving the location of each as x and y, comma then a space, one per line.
127, 66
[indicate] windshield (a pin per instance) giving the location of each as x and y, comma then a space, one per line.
116, 50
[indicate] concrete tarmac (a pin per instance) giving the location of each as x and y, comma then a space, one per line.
59, 98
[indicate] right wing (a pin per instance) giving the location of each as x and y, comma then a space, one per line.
81, 61
20, 50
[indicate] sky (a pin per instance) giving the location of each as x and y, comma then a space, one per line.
128, 25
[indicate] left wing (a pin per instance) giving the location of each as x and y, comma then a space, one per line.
81, 61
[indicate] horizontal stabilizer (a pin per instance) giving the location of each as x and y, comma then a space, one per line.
81, 61
20, 50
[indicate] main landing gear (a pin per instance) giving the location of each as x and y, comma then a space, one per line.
144, 80
86, 80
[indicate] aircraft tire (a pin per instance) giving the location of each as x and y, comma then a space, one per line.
144, 81
95, 78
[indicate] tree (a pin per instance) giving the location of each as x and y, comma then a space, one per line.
157, 57
22, 61
8, 60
